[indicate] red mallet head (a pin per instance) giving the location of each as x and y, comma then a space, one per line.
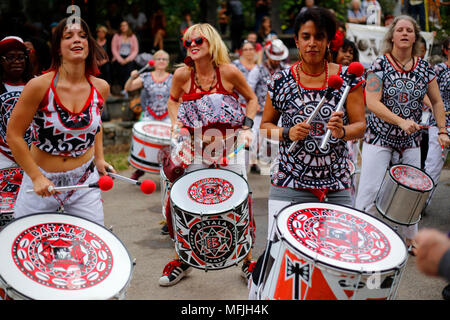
335, 82
224, 162
148, 186
105, 183
356, 69
17, 177
151, 63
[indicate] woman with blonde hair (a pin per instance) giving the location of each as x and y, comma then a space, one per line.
397, 83
203, 96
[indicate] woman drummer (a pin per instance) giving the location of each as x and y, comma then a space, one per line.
208, 89
64, 107
155, 94
308, 173
397, 83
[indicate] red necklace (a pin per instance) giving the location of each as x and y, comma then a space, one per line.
313, 74
325, 69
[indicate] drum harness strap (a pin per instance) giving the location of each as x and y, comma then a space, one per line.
83, 178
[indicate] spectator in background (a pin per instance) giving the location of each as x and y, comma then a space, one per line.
113, 18
222, 17
355, 14
124, 48
253, 37
265, 32
262, 8
105, 65
158, 29
308, 5
372, 10
237, 24
185, 24
137, 20
416, 9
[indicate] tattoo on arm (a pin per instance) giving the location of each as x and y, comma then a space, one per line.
373, 83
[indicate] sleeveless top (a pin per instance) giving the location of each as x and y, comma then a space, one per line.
61, 132
403, 93
442, 71
219, 109
155, 95
8, 100
307, 166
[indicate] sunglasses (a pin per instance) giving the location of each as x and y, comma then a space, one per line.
198, 41
11, 59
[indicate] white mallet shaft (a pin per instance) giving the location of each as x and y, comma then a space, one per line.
118, 176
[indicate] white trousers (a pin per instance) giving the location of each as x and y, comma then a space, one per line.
435, 157
5, 162
86, 203
375, 162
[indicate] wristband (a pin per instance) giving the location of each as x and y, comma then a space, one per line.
173, 99
285, 134
248, 122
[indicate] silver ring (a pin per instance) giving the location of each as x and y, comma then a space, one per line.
110, 168
50, 188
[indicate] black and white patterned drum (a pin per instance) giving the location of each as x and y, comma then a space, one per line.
211, 218
403, 194
10, 180
148, 138
324, 251
52, 256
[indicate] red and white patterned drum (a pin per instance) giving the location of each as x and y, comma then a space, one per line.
403, 194
148, 138
211, 218
10, 180
330, 252
54, 256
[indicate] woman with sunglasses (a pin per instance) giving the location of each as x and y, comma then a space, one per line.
204, 100
155, 94
397, 83
64, 107
15, 72
436, 154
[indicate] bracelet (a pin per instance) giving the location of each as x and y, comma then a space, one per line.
248, 122
343, 136
442, 133
285, 134
173, 99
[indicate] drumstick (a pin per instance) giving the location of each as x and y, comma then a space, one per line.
147, 186
355, 69
149, 64
105, 183
335, 82
232, 154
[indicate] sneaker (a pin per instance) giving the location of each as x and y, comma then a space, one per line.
247, 268
165, 229
173, 272
137, 174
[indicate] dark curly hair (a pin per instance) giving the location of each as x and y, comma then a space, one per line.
324, 20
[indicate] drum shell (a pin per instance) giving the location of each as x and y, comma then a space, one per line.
9, 189
144, 147
325, 281
398, 203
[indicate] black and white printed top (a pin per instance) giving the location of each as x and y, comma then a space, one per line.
402, 94
442, 71
307, 166
155, 95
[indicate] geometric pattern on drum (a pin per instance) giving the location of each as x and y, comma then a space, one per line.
402, 94
210, 191
412, 177
62, 256
308, 166
338, 235
442, 71
299, 272
10, 181
210, 242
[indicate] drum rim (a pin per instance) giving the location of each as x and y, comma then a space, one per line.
215, 213
408, 187
339, 267
127, 283
142, 123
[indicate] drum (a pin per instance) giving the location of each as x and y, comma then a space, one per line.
54, 256
211, 218
403, 194
148, 138
323, 251
165, 189
10, 180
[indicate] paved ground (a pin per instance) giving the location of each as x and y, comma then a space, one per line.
135, 219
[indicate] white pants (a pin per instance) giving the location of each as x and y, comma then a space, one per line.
375, 162
435, 158
85, 203
5, 162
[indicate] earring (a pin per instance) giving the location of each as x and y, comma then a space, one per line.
299, 55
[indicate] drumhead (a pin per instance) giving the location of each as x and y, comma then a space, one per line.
155, 130
59, 256
341, 237
10, 180
411, 177
209, 191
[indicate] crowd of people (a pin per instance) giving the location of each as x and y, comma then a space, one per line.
258, 97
